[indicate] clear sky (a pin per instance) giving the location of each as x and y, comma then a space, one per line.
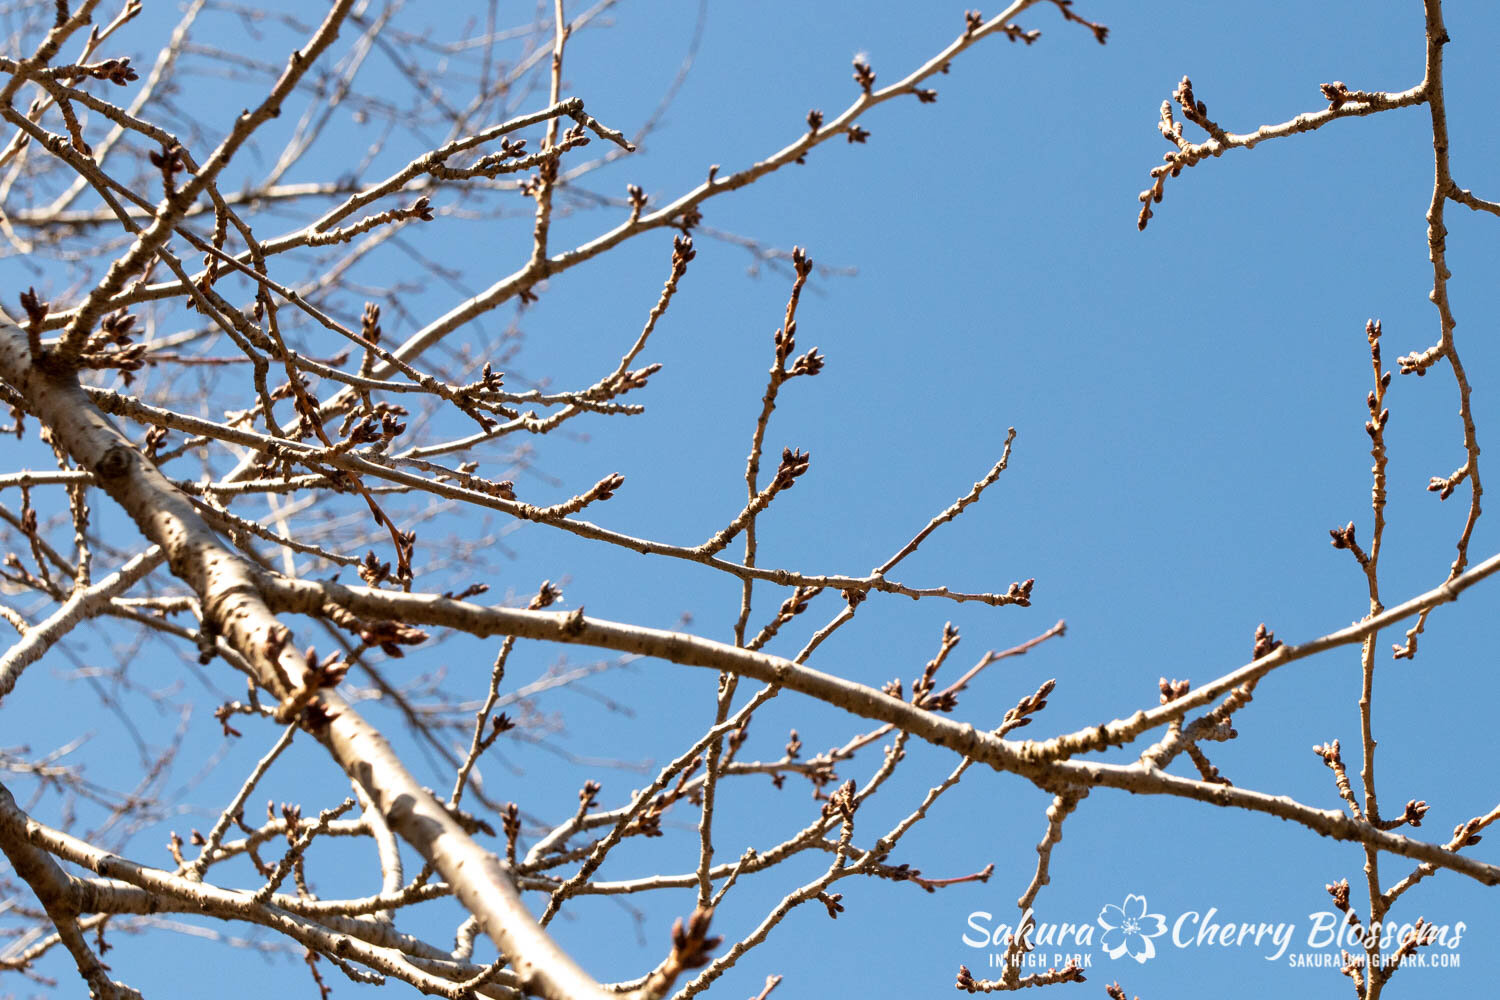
1189, 405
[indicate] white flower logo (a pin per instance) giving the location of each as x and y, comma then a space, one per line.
1128, 927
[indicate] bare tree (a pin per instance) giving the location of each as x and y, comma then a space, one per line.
254, 465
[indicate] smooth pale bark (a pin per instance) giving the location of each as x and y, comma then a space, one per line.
229, 588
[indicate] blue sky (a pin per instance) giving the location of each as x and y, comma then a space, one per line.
1189, 404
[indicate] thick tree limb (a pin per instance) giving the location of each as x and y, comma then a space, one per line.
1040, 762
228, 587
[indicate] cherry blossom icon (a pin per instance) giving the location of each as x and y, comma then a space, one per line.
1129, 928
